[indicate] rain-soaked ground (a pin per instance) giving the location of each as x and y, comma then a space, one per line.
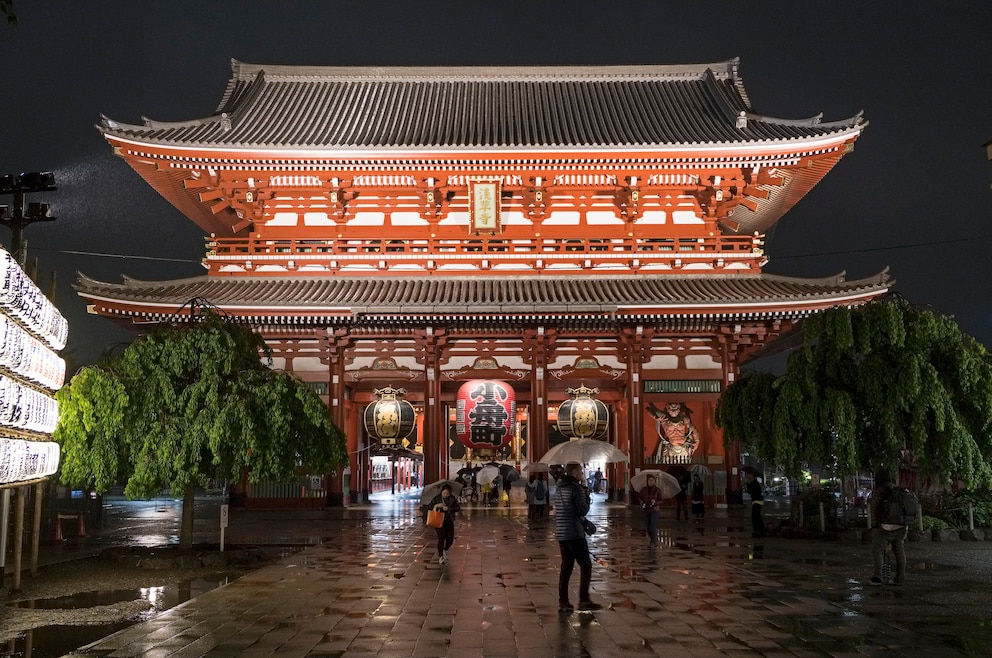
369, 584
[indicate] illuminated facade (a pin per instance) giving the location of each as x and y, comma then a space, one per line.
547, 227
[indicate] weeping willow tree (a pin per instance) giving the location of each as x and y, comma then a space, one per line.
188, 404
870, 384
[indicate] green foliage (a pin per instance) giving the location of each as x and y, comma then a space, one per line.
954, 507
810, 500
868, 383
188, 404
745, 411
7, 9
933, 523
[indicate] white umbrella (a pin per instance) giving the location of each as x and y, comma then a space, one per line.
700, 470
537, 467
583, 451
487, 474
434, 488
667, 482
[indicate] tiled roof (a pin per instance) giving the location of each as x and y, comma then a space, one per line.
314, 108
486, 294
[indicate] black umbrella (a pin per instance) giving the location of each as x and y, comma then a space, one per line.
751, 470
509, 473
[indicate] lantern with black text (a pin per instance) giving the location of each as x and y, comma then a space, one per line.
582, 416
390, 419
485, 414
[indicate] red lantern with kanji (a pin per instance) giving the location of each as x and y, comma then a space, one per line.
485, 414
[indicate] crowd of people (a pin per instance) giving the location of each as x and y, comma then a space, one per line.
571, 501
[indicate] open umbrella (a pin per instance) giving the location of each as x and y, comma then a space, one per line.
509, 473
434, 488
487, 474
469, 471
537, 467
700, 470
751, 470
667, 482
583, 451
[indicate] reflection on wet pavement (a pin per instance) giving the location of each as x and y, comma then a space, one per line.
369, 584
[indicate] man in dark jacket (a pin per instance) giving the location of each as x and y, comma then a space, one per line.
571, 506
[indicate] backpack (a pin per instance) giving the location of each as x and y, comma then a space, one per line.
899, 507
540, 491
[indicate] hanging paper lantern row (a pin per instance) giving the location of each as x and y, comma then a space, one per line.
25, 301
21, 460
25, 408
25, 355
390, 419
485, 414
583, 416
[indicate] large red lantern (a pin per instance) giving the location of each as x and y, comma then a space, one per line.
582, 415
485, 414
390, 419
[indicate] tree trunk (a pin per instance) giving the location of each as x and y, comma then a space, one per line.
186, 527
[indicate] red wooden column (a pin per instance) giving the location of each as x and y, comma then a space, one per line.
337, 400
537, 348
435, 423
636, 345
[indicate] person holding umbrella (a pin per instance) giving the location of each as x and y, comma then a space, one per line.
651, 498
447, 503
757, 503
571, 506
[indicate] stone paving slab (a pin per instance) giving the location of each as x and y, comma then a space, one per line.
370, 585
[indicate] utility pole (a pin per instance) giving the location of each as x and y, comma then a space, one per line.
16, 218
20, 215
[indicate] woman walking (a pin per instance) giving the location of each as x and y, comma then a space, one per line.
447, 503
651, 497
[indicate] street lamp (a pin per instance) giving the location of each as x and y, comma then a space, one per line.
19, 216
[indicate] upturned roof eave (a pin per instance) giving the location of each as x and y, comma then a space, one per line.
781, 145
787, 294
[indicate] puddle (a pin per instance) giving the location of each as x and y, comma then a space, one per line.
54, 641
59, 640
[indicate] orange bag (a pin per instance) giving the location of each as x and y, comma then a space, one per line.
435, 519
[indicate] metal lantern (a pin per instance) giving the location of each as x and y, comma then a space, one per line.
485, 414
390, 419
582, 415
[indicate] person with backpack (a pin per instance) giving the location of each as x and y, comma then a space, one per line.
537, 495
886, 528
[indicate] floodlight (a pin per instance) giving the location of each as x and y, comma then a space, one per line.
36, 181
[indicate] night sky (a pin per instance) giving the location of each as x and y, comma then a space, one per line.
914, 196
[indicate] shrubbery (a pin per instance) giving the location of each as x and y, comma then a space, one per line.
954, 507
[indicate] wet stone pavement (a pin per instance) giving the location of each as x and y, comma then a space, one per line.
369, 584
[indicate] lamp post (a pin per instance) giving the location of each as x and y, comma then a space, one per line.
20, 215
